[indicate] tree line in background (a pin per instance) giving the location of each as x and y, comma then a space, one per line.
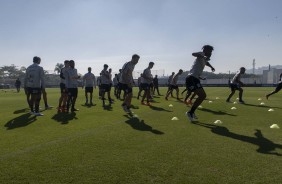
14, 72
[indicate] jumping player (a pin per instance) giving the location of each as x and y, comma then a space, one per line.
192, 80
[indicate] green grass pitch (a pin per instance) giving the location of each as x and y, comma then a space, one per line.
97, 145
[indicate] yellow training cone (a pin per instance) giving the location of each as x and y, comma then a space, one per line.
271, 110
218, 122
174, 119
233, 108
275, 126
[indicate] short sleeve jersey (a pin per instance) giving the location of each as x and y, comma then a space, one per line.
34, 77
198, 66
126, 75
71, 78
89, 79
147, 76
236, 78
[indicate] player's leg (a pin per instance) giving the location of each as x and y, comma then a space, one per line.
231, 94
241, 95
86, 95
277, 89
74, 97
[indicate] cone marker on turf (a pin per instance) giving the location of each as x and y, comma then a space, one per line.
274, 126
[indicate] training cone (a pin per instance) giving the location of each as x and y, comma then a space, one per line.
217, 98
234, 102
218, 122
262, 103
170, 105
200, 107
135, 116
270, 110
274, 126
259, 99
210, 101
233, 108
174, 118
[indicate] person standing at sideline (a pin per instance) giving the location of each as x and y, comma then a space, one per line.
89, 82
193, 83
34, 83
126, 81
18, 85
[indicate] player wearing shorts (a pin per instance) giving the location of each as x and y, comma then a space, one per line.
173, 85
72, 86
277, 89
168, 83
147, 79
89, 82
64, 94
192, 80
34, 80
105, 84
126, 81
236, 84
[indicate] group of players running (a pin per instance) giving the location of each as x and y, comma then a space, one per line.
35, 85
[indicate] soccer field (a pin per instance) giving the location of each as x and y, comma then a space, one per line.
105, 145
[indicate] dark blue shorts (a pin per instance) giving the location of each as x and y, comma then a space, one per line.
126, 88
193, 83
88, 89
72, 92
234, 87
34, 90
145, 86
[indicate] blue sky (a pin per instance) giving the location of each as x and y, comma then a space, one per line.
95, 32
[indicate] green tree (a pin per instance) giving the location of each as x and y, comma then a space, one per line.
58, 67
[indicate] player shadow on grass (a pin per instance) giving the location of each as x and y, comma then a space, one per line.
88, 105
108, 107
266, 146
138, 124
20, 121
216, 112
64, 118
24, 110
159, 109
263, 106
